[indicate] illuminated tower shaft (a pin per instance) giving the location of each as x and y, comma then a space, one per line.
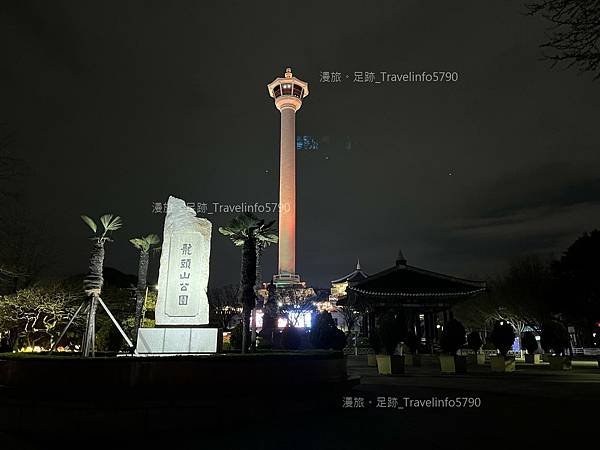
287, 192
288, 93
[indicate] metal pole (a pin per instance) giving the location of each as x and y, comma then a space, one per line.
67, 327
116, 323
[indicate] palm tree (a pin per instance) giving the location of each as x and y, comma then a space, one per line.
260, 246
143, 244
93, 282
247, 231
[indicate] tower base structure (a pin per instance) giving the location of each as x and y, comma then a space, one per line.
281, 280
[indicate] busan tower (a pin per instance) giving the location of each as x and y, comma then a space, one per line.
288, 93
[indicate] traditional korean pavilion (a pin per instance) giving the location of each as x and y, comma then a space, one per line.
340, 285
424, 298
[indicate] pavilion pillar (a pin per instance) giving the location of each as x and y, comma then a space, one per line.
371, 322
429, 331
364, 329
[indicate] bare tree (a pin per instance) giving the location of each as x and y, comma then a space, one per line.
33, 316
574, 34
295, 303
350, 316
224, 304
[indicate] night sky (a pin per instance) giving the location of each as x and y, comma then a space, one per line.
116, 105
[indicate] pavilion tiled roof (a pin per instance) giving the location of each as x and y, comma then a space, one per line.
355, 276
405, 281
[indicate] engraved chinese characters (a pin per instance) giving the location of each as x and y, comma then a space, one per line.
184, 267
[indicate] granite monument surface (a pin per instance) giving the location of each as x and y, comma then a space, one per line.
182, 303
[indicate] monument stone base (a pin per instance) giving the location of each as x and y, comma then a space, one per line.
178, 341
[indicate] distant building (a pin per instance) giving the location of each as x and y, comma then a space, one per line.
339, 286
338, 290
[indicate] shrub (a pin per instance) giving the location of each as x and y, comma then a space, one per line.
375, 341
529, 342
503, 337
474, 341
390, 333
236, 337
554, 337
291, 338
411, 342
339, 339
453, 337
324, 334
488, 346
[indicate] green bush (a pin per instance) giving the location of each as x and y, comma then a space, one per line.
453, 337
390, 333
554, 337
236, 337
291, 338
325, 334
503, 337
375, 341
339, 339
411, 342
529, 342
474, 341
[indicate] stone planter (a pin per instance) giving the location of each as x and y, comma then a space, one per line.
390, 364
501, 364
535, 358
560, 362
453, 364
413, 360
476, 359
371, 360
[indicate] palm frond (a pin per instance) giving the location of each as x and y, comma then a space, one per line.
152, 239
140, 244
105, 220
111, 222
90, 223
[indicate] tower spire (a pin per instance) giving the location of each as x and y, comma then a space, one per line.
357, 263
400, 260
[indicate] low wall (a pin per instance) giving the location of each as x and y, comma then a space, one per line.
144, 372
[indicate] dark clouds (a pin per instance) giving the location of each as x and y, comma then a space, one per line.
118, 104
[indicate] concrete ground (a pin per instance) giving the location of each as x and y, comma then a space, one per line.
533, 407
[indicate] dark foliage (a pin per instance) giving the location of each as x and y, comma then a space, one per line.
453, 336
474, 341
375, 341
578, 284
529, 342
236, 336
325, 334
291, 338
503, 337
554, 337
411, 342
390, 333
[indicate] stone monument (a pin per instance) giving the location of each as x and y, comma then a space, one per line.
182, 304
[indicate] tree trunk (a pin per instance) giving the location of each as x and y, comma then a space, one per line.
247, 297
140, 292
259, 249
92, 285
